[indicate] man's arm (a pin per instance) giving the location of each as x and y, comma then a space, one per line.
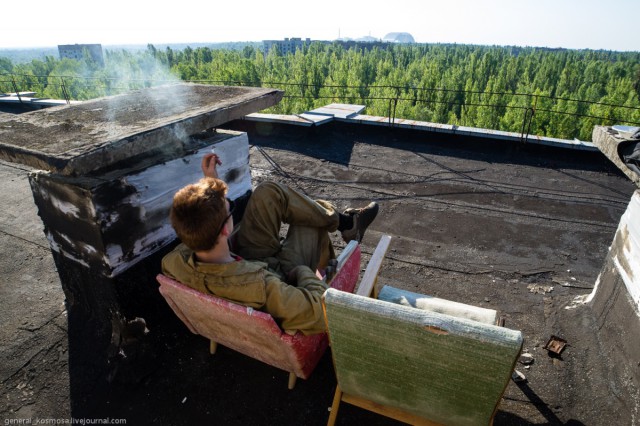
296, 307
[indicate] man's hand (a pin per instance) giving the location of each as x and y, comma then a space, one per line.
292, 276
209, 163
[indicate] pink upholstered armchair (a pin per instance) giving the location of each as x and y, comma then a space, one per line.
255, 333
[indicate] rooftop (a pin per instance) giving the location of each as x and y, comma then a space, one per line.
517, 227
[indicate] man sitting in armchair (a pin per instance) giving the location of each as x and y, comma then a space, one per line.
248, 263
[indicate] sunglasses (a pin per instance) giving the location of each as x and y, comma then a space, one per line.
232, 207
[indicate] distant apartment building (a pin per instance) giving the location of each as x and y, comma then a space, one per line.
288, 45
76, 51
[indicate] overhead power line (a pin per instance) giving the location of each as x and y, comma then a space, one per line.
441, 95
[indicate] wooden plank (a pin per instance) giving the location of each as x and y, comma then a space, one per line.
335, 406
373, 268
292, 380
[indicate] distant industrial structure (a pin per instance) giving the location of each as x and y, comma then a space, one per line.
398, 38
77, 51
290, 45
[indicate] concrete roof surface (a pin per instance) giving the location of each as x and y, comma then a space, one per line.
101, 132
517, 228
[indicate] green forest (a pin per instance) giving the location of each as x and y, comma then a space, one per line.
548, 92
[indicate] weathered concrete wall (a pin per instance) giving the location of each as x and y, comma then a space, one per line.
615, 302
87, 138
106, 235
610, 142
110, 223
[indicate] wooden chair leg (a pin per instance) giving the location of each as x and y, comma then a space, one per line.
213, 346
334, 407
292, 380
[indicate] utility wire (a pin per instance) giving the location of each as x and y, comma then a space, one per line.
336, 86
115, 89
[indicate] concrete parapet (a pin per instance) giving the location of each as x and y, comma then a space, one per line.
147, 126
610, 142
615, 302
111, 222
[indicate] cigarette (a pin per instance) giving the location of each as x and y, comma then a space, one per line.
213, 150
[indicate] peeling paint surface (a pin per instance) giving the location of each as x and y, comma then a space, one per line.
626, 249
156, 185
152, 195
65, 207
114, 222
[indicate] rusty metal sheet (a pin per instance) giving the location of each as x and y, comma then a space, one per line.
555, 344
150, 123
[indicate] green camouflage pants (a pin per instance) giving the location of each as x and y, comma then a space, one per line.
307, 242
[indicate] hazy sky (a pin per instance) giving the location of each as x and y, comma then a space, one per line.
592, 24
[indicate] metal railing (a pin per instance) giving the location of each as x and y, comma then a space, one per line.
401, 94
